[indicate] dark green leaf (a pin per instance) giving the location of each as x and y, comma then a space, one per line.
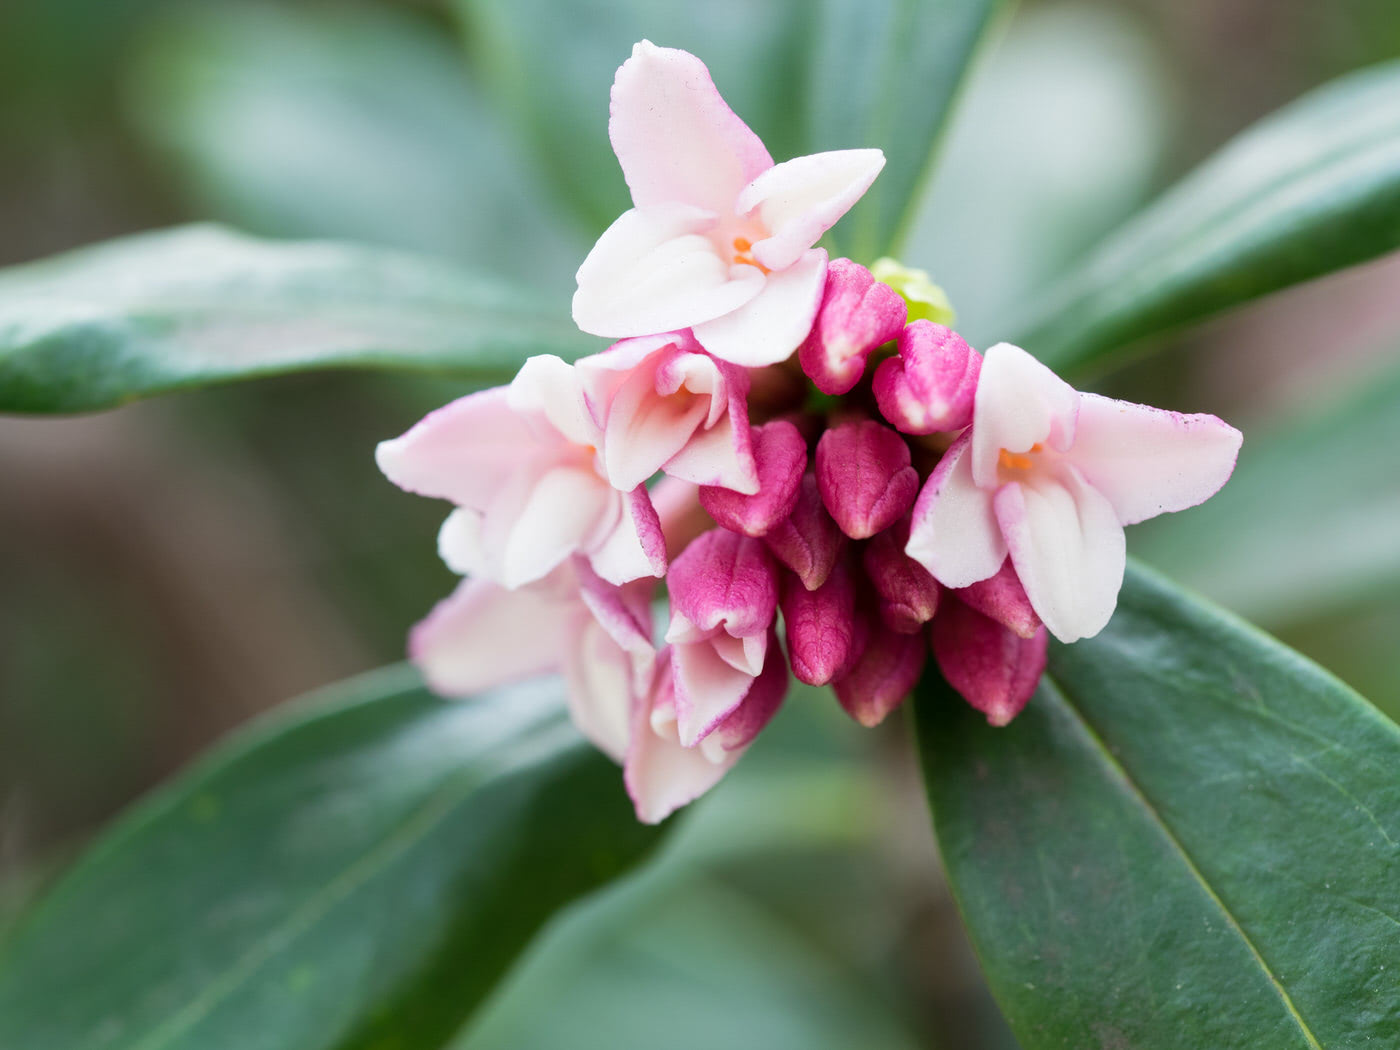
197, 305
1321, 497
1189, 838
358, 873
1309, 190
837, 74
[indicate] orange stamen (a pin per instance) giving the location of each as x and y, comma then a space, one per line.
1018, 461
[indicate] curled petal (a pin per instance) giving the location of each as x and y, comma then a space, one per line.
635, 546
548, 386
1019, 404
600, 677
992, 668
483, 635
865, 477
1146, 461
953, 531
759, 706
661, 775
768, 327
567, 509
780, 457
655, 269
712, 675
800, 199
1068, 550
676, 138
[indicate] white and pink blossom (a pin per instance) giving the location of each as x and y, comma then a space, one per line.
1049, 476
720, 239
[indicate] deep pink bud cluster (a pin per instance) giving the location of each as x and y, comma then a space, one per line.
827, 529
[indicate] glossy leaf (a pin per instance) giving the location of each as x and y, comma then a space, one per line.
1188, 838
358, 872
836, 74
1312, 189
1320, 496
197, 305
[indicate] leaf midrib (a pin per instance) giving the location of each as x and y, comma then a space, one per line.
1167, 831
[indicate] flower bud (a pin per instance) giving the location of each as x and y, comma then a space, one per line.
994, 669
1002, 598
809, 541
780, 455
880, 680
821, 625
857, 314
908, 595
931, 384
865, 478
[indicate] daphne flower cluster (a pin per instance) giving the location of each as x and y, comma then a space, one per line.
842, 492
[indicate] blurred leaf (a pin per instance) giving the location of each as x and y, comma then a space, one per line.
683, 963
359, 124
834, 75
1058, 136
885, 73
358, 873
1309, 190
1319, 498
1189, 838
198, 305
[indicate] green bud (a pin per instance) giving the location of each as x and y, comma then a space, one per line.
927, 301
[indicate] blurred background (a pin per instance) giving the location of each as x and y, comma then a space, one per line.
170, 569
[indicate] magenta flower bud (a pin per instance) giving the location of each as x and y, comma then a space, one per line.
865, 478
821, 625
930, 385
725, 580
908, 595
857, 314
809, 541
780, 455
879, 681
1003, 598
993, 668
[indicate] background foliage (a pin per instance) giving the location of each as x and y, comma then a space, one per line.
173, 567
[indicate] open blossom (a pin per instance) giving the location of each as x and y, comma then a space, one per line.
931, 501
720, 239
661, 403
1050, 476
521, 464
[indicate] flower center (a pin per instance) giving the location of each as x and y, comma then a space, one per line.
1018, 462
743, 254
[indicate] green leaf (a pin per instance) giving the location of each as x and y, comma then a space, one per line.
353, 123
1309, 190
197, 305
886, 73
1189, 838
358, 873
838, 74
1320, 496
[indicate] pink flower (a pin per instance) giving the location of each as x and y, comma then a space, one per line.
720, 238
521, 465
724, 596
1051, 476
662, 403
661, 775
598, 635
